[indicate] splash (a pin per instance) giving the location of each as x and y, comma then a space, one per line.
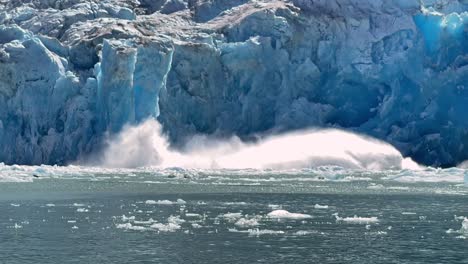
145, 145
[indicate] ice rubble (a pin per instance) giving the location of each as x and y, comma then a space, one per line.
72, 71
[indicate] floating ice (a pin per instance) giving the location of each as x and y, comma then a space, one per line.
464, 227
303, 233
235, 203
169, 227
357, 219
318, 206
165, 202
172, 225
195, 225
231, 216
147, 222
193, 215
128, 218
129, 226
283, 214
246, 223
257, 232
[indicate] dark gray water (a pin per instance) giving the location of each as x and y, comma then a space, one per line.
208, 220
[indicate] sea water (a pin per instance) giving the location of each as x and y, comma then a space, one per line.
148, 215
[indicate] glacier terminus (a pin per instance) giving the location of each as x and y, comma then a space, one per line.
73, 72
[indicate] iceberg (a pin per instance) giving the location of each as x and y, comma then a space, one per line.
75, 72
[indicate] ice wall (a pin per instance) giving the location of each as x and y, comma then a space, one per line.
73, 71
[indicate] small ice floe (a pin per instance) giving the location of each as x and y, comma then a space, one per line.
193, 215
15, 205
129, 226
147, 222
357, 219
82, 210
463, 230
165, 202
283, 214
257, 232
74, 227
459, 218
128, 218
245, 222
196, 226
235, 203
173, 224
169, 227
274, 206
231, 217
175, 219
303, 233
318, 206
374, 186
376, 233
16, 226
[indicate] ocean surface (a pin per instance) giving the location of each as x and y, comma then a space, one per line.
325, 215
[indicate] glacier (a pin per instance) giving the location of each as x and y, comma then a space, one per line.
73, 72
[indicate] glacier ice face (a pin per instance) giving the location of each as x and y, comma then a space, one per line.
72, 71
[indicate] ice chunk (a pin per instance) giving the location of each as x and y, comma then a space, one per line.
283, 214
172, 225
257, 231
303, 233
318, 206
129, 226
245, 222
165, 202
357, 219
128, 218
231, 216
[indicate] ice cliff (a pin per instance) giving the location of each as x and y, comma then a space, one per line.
74, 71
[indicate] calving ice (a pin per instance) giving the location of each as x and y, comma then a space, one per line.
145, 145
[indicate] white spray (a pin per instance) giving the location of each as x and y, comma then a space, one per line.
145, 145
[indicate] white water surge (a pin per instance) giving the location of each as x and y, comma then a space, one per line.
145, 145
